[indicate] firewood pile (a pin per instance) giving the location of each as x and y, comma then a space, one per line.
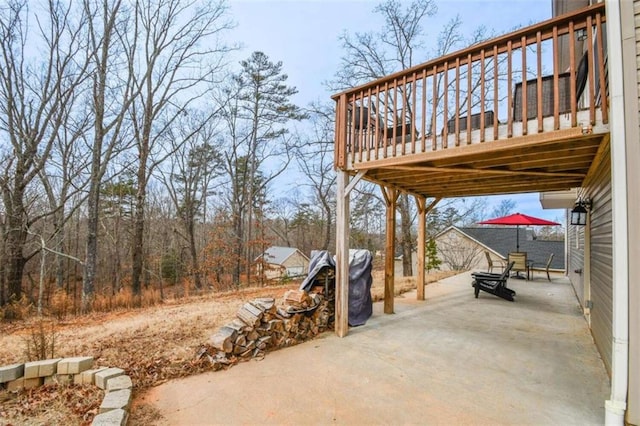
263, 325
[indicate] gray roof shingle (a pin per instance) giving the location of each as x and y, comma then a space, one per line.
277, 255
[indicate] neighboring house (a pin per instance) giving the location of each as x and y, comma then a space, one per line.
463, 248
562, 114
280, 262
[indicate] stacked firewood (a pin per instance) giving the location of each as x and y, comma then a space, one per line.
262, 325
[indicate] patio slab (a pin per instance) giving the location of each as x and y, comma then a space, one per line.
451, 359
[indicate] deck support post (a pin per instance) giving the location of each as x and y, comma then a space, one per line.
391, 198
422, 240
342, 254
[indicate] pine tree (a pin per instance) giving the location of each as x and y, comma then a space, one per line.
431, 254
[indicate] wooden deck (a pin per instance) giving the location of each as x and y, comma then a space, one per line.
408, 131
524, 112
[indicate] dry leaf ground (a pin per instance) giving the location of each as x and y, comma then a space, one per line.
152, 345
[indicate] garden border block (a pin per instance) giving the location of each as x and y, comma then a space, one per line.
11, 372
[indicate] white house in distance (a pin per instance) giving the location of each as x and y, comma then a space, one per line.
283, 262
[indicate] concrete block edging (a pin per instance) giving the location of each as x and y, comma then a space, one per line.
114, 410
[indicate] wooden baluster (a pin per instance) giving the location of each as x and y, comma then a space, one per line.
495, 92
540, 100
604, 107
457, 112
378, 134
523, 48
369, 125
386, 114
469, 95
445, 114
424, 110
403, 118
414, 88
394, 131
591, 73
434, 110
354, 139
363, 133
482, 93
556, 87
572, 76
509, 91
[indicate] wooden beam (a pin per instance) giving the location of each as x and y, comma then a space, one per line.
603, 152
422, 240
483, 171
342, 255
479, 148
390, 197
432, 205
355, 181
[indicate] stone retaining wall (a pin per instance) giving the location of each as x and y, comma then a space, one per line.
114, 409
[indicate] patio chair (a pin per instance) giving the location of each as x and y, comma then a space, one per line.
495, 284
519, 258
548, 265
490, 262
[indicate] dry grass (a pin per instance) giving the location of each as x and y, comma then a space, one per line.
153, 344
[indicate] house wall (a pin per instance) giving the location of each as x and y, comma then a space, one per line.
560, 7
576, 266
601, 259
296, 264
459, 252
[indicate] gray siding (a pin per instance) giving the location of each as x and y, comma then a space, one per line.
599, 190
575, 239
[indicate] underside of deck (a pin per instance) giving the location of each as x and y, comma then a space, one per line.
550, 161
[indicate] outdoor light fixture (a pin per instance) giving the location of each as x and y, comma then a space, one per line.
579, 212
581, 35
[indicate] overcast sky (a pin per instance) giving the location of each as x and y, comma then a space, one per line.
303, 34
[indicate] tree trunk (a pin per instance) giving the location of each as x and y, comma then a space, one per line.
327, 226
91, 255
138, 228
237, 250
195, 267
58, 218
14, 267
15, 238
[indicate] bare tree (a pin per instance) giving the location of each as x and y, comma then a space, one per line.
257, 108
315, 160
111, 97
505, 208
64, 179
35, 95
457, 254
191, 173
175, 52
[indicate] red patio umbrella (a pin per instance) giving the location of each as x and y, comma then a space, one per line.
518, 219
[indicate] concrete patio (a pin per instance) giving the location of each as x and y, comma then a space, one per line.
451, 359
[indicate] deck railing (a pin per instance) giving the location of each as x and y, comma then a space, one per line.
486, 92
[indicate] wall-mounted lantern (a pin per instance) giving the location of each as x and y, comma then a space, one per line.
580, 211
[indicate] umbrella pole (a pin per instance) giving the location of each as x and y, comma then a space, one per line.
518, 238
